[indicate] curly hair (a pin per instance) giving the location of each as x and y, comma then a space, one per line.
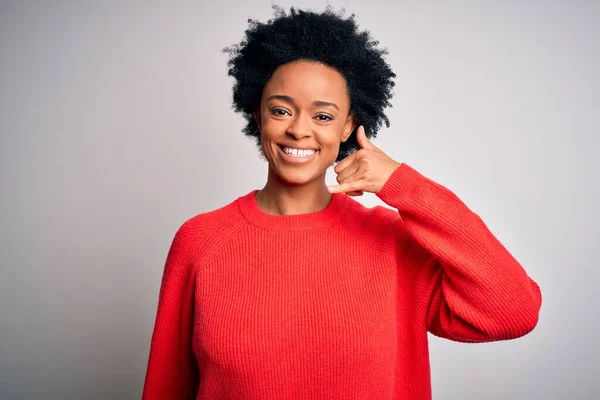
327, 38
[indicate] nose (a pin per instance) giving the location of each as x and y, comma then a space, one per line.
300, 126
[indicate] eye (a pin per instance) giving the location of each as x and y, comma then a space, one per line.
279, 111
324, 117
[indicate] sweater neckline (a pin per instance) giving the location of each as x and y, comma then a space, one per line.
326, 217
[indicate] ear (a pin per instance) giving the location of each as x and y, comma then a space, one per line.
256, 114
348, 128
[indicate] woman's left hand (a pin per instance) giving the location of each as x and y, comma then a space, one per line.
365, 170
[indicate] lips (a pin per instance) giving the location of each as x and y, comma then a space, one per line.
283, 146
296, 159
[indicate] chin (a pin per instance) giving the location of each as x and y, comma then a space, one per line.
296, 178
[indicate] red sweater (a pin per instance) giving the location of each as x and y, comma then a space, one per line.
334, 304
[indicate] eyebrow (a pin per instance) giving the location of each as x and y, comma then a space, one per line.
316, 103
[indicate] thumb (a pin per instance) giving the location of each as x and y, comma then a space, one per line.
362, 139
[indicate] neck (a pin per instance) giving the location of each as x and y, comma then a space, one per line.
279, 198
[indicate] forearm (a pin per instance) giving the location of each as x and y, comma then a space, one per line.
478, 290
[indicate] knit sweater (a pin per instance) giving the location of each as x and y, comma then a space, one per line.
334, 304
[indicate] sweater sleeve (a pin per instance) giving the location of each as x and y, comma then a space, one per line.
172, 371
473, 289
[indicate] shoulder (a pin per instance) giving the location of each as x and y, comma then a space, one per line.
200, 234
377, 226
210, 221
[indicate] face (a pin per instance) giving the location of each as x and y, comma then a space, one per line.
303, 118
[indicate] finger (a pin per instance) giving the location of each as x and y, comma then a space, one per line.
348, 171
355, 186
345, 162
349, 184
355, 193
351, 176
363, 140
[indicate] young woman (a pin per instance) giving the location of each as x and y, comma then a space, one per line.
297, 291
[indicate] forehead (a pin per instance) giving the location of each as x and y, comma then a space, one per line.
306, 82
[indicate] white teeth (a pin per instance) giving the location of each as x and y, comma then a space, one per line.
298, 153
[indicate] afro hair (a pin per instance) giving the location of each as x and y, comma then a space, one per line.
327, 38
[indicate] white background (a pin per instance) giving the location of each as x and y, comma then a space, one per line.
116, 126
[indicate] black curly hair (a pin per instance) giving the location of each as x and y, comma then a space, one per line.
325, 37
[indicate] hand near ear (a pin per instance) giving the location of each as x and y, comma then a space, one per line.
365, 170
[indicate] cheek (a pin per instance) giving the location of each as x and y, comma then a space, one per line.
331, 135
271, 128
269, 133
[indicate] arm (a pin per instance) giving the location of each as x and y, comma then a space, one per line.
475, 290
172, 371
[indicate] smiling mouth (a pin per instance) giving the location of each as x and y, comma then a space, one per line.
297, 153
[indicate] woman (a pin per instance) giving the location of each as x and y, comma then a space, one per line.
297, 291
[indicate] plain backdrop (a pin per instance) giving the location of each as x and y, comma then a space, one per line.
116, 127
